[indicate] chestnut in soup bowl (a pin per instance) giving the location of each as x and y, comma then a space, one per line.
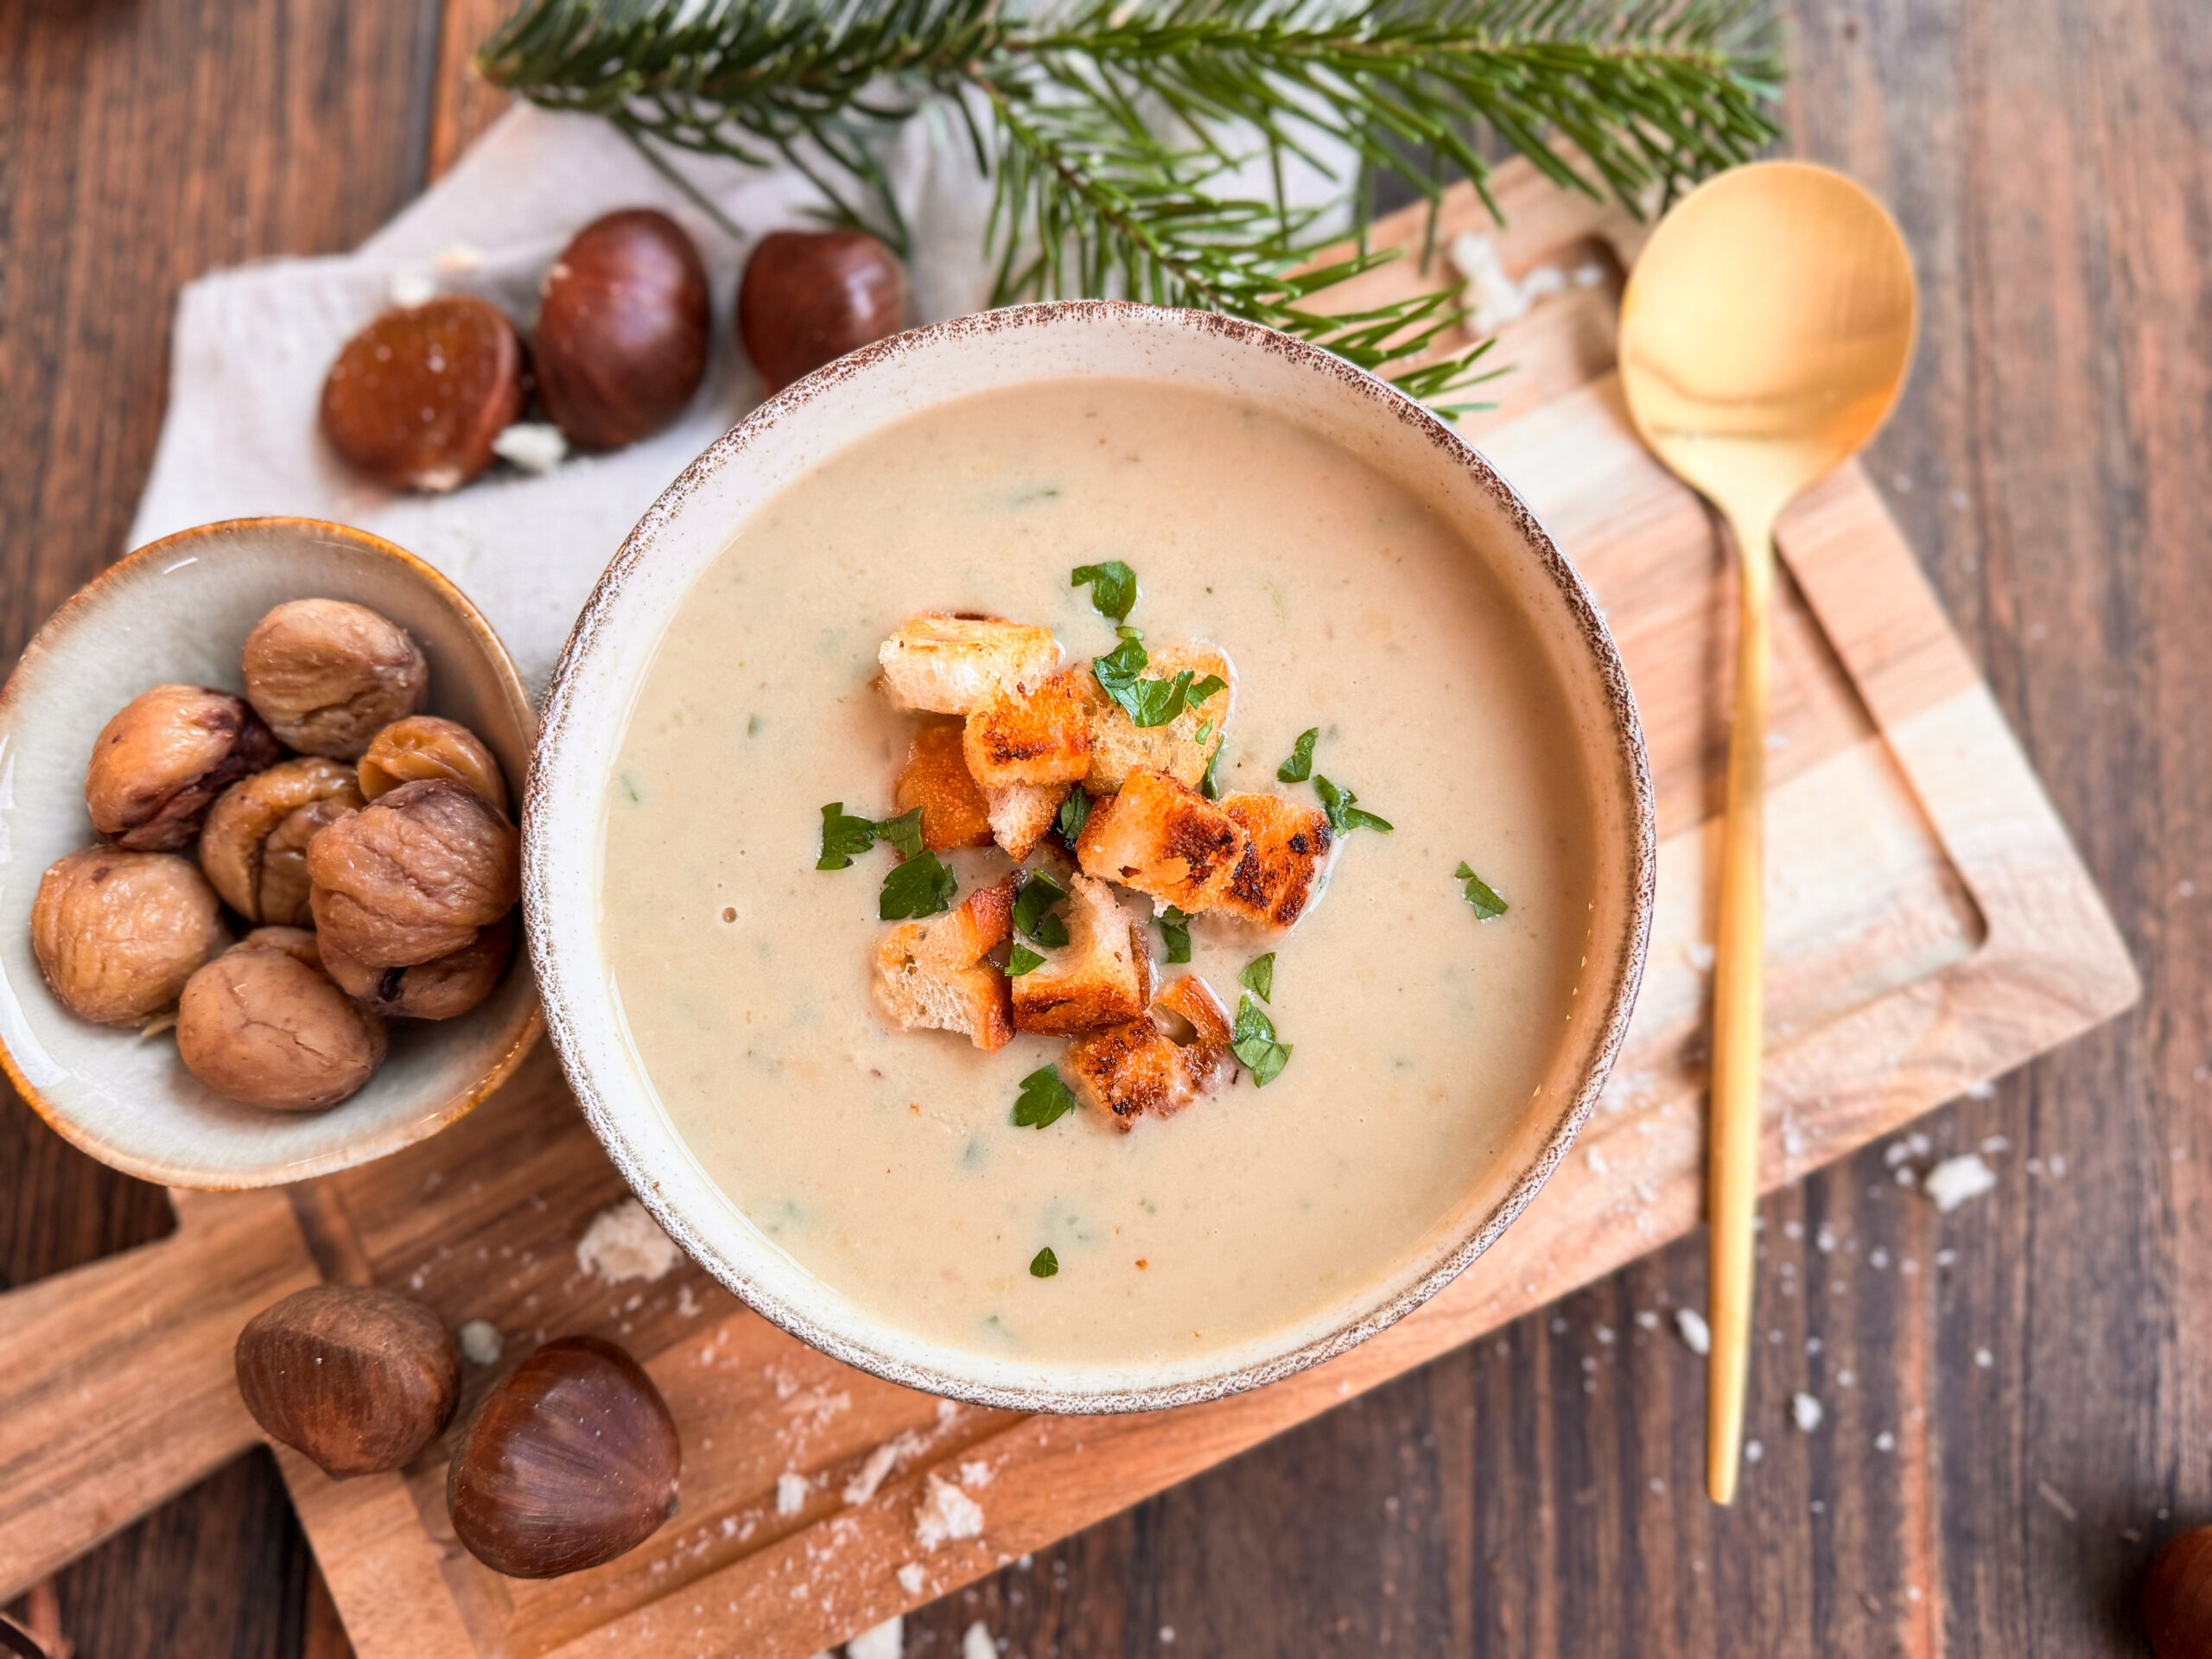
965, 1184
178, 612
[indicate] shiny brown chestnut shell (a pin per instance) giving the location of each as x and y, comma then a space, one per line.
414, 875
808, 297
2177, 1598
437, 989
254, 845
160, 763
263, 1024
423, 746
328, 675
118, 934
358, 1379
415, 399
621, 339
570, 1462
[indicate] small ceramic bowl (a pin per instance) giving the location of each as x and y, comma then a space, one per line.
179, 610
593, 689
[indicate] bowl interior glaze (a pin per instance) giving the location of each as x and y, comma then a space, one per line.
613, 646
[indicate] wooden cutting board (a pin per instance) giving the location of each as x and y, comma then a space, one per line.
1928, 927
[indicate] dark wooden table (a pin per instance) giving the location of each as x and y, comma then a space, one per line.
1540, 1493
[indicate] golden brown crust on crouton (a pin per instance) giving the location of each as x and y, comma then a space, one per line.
1102, 975
954, 812
1167, 842
1038, 736
952, 664
1021, 816
932, 976
1134, 1068
1280, 870
1118, 745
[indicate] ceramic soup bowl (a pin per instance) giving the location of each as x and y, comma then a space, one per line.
179, 610
615, 640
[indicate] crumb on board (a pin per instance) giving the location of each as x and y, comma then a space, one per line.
791, 1493
976, 1643
480, 1342
945, 1513
623, 1242
880, 1462
884, 1641
1695, 1332
1805, 1411
1955, 1180
910, 1577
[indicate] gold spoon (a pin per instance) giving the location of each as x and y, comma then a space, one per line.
1765, 335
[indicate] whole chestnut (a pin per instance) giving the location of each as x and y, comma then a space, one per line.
160, 763
358, 1379
254, 847
2177, 1596
264, 1024
810, 297
569, 1462
328, 676
417, 398
413, 874
621, 339
436, 989
118, 934
422, 746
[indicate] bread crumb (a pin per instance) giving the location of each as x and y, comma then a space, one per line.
791, 1493
534, 446
410, 288
1955, 1180
1753, 1451
1806, 1412
886, 1641
976, 1473
480, 1342
1694, 1331
910, 1577
945, 1513
880, 1462
977, 1643
623, 1242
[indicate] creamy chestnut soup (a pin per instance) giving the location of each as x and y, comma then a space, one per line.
884, 1160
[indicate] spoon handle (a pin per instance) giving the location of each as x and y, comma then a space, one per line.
1737, 1001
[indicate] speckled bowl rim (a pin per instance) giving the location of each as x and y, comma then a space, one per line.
539, 862
396, 1136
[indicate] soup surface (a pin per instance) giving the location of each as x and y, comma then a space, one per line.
884, 1161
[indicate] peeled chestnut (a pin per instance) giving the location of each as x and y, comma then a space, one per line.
2177, 1596
436, 989
357, 1378
254, 847
621, 339
118, 934
416, 398
569, 1462
810, 297
414, 875
422, 746
160, 763
264, 1024
328, 676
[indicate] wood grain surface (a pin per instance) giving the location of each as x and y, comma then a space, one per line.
2010, 1428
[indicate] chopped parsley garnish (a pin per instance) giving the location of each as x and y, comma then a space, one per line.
1479, 893
1343, 814
1254, 1043
922, 885
1074, 812
1212, 685
1175, 928
904, 832
1044, 1264
1033, 911
1207, 786
1113, 587
1045, 1100
1300, 767
1022, 959
1259, 976
842, 837
1148, 702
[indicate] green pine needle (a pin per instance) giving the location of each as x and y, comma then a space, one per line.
1110, 129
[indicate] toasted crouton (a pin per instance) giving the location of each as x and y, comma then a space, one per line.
1040, 735
1119, 745
952, 664
1020, 815
1102, 975
932, 976
1134, 1068
1165, 841
1282, 868
936, 778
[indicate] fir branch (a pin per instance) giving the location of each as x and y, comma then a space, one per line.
1111, 128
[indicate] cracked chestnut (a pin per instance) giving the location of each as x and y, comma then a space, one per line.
263, 1024
160, 763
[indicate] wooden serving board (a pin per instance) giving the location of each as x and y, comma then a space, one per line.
1928, 927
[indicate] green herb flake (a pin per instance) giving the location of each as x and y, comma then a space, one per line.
1033, 911
1044, 1264
1254, 1043
1300, 767
1212, 685
1074, 812
904, 832
1113, 587
1044, 1101
1259, 976
1175, 928
842, 837
1342, 814
1022, 959
1151, 702
1208, 786
1479, 893
922, 885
